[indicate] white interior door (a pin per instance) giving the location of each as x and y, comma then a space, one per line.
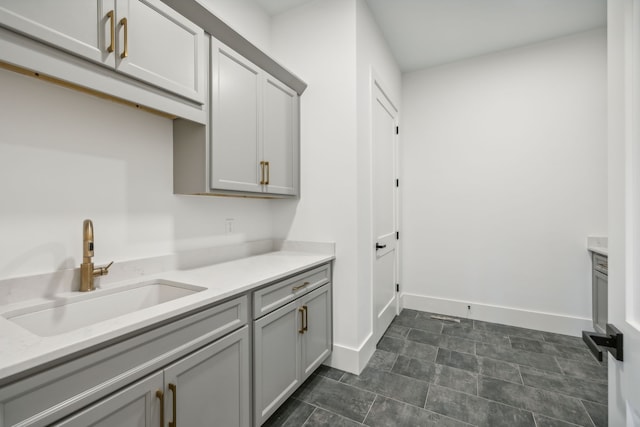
383, 132
624, 207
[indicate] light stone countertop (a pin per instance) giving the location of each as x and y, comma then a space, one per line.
21, 350
598, 244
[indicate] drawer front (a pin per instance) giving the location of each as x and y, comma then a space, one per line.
267, 299
601, 263
50, 395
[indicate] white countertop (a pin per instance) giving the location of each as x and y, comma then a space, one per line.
21, 350
599, 250
598, 244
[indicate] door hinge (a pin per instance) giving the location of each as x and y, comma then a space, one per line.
397, 287
397, 235
397, 130
397, 183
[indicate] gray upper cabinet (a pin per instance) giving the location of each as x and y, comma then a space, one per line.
236, 148
143, 39
77, 26
254, 128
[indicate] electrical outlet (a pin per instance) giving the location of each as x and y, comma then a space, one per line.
228, 225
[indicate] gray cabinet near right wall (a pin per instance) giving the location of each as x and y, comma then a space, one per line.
599, 297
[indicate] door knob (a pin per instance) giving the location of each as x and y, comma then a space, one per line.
612, 341
379, 246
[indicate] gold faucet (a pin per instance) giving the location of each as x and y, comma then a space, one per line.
87, 271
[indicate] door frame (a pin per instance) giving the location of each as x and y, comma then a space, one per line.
376, 83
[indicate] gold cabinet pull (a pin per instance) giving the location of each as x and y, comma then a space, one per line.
304, 285
160, 395
262, 173
125, 52
112, 27
306, 318
174, 392
301, 311
268, 172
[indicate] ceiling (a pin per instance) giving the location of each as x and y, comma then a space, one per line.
426, 33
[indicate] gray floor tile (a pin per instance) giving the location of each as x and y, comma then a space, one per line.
563, 339
387, 412
455, 359
580, 388
476, 410
598, 413
582, 370
540, 361
397, 331
443, 375
515, 376
322, 418
292, 413
499, 369
544, 402
408, 348
329, 372
542, 421
512, 331
405, 389
574, 353
465, 330
440, 340
382, 360
336, 397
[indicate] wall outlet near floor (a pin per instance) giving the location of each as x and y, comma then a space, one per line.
228, 225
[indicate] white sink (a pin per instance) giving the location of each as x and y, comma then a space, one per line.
80, 310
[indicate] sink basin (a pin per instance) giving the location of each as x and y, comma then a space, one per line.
78, 311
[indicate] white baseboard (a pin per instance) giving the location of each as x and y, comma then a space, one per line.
352, 359
550, 322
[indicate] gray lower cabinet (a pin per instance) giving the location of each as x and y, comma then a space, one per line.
600, 289
199, 365
135, 406
289, 344
209, 384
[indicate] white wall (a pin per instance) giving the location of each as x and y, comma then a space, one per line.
374, 60
66, 156
335, 60
317, 42
504, 173
246, 17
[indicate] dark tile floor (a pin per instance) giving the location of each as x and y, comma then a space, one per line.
427, 372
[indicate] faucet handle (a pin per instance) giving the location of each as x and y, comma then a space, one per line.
102, 271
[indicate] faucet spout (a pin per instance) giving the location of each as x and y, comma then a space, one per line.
87, 270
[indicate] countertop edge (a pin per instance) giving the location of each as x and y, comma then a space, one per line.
60, 354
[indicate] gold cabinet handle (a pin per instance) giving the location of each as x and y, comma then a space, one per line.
301, 311
125, 52
160, 395
304, 285
174, 392
306, 318
112, 26
268, 172
262, 173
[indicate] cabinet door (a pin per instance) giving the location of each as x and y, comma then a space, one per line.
78, 26
162, 48
235, 121
276, 360
317, 337
211, 386
134, 406
600, 301
280, 137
